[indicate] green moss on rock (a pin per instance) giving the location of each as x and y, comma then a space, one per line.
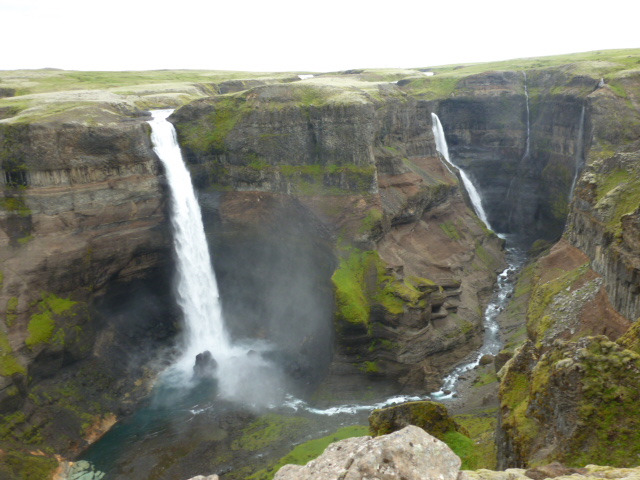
19, 465
583, 394
539, 319
42, 324
307, 451
363, 279
267, 430
15, 205
482, 429
11, 311
9, 365
618, 193
328, 179
450, 230
208, 133
352, 302
432, 417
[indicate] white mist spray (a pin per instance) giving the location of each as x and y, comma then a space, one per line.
197, 290
441, 146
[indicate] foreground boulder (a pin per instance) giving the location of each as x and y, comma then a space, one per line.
411, 454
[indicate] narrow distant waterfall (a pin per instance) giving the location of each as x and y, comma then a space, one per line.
441, 141
441, 146
579, 153
525, 155
527, 148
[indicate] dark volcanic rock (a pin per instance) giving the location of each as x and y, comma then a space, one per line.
205, 365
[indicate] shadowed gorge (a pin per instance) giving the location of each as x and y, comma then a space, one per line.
349, 258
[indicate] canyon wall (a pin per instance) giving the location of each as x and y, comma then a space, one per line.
520, 136
85, 277
554, 151
569, 393
337, 233
409, 264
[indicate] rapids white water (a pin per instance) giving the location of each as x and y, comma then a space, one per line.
491, 344
441, 146
241, 375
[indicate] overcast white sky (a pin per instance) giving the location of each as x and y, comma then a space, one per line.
287, 35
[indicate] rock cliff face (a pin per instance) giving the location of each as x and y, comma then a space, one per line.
521, 135
557, 393
535, 141
338, 234
412, 265
84, 248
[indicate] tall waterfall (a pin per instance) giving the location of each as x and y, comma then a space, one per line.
525, 155
441, 146
196, 285
527, 148
579, 153
241, 372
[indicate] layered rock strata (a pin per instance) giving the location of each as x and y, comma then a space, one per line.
521, 137
84, 249
414, 265
559, 392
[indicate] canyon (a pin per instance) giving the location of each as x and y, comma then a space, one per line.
338, 235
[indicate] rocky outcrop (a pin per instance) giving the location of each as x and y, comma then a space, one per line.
410, 453
575, 403
553, 391
432, 417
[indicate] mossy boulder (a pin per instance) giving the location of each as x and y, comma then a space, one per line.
432, 417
